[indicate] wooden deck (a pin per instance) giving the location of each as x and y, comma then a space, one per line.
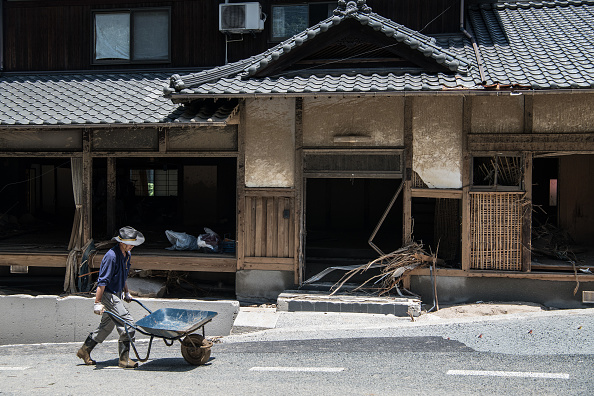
145, 258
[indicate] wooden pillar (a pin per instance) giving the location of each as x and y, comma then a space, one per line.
407, 231
162, 140
87, 210
240, 238
527, 214
466, 182
299, 214
111, 195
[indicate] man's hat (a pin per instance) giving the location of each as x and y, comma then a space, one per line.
129, 236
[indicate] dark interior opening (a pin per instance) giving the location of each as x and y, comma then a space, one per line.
437, 225
341, 215
36, 202
563, 213
158, 194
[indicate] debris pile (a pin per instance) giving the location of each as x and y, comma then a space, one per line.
393, 266
551, 241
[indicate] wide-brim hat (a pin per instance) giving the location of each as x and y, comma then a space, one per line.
129, 236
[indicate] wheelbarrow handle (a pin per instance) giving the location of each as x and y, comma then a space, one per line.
141, 304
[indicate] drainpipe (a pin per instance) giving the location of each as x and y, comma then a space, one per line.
474, 45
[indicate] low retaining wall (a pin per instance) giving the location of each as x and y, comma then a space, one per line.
41, 319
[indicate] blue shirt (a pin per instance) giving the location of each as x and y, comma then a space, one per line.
114, 270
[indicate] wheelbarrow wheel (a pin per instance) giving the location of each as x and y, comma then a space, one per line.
195, 349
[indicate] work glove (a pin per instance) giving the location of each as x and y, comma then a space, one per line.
127, 297
98, 308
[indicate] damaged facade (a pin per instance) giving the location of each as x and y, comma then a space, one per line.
474, 130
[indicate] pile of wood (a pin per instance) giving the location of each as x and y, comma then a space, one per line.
551, 241
393, 266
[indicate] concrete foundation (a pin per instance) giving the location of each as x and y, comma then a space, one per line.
262, 286
293, 301
28, 319
461, 290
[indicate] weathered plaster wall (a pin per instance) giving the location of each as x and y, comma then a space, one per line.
497, 114
270, 142
437, 141
379, 119
563, 113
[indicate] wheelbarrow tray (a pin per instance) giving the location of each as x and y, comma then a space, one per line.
173, 323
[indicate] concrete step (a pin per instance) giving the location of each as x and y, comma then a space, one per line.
297, 300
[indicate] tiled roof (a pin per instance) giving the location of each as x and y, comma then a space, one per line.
236, 77
539, 45
531, 45
115, 98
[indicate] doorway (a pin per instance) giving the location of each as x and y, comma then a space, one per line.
340, 216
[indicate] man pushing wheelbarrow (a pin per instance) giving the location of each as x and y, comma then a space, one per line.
111, 290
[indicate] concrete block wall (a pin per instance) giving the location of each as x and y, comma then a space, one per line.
41, 319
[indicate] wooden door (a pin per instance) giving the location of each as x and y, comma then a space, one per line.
268, 232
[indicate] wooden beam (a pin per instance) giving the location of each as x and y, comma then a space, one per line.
35, 260
436, 193
528, 113
240, 182
171, 263
87, 210
549, 276
527, 214
407, 231
299, 201
111, 195
510, 142
466, 181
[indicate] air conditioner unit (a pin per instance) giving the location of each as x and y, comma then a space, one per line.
241, 17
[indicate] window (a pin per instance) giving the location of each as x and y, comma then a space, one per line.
288, 20
497, 172
131, 36
154, 182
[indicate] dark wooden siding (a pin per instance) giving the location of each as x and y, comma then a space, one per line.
58, 36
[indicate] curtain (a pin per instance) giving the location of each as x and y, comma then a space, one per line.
75, 244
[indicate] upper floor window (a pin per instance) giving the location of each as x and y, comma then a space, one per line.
131, 36
288, 20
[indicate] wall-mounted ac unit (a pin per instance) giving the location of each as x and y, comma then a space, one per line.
241, 17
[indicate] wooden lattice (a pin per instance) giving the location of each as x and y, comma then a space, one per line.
496, 230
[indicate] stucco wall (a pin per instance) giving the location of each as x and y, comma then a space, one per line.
563, 113
270, 142
497, 114
437, 141
379, 119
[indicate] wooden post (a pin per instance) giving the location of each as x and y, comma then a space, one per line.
87, 210
527, 214
111, 195
299, 214
240, 238
407, 232
466, 181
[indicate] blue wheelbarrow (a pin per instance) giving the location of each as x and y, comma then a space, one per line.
171, 324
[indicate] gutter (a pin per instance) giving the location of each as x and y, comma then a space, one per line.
181, 98
474, 45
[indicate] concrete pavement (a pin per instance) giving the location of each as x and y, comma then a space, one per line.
483, 327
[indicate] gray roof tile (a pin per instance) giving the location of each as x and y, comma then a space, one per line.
81, 99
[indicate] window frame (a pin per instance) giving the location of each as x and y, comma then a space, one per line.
497, 187
131, 12
277, 39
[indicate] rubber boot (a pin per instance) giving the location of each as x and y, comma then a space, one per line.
85, 351
125, 361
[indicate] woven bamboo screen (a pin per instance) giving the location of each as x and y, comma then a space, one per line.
496, 230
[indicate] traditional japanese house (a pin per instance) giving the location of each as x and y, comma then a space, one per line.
467, 127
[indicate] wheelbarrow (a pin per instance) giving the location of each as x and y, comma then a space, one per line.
171, 324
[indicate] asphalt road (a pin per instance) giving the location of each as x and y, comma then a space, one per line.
371, 365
